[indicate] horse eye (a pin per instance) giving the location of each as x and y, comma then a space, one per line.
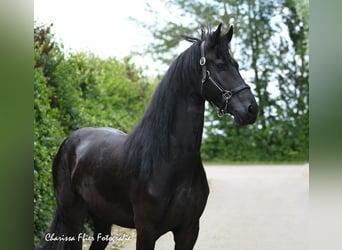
220, 66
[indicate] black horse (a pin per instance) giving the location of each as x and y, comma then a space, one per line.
151, 179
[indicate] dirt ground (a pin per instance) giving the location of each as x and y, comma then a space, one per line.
252, 208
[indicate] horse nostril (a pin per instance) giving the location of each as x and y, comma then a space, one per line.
250, 109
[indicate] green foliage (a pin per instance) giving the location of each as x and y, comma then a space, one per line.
73, 91
48, 132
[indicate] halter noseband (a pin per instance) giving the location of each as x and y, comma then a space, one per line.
226, 94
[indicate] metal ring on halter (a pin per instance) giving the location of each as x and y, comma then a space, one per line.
202, 61
227, 95
221, 113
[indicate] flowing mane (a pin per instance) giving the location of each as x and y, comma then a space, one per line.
148, 143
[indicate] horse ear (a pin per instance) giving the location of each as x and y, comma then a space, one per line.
229, 34
216, 34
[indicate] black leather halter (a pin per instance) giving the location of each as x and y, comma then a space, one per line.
226, 94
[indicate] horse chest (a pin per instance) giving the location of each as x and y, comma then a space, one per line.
173, 202
184, 204
190, 200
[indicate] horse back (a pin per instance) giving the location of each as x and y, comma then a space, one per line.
88, 151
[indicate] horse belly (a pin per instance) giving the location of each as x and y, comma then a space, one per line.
116, 211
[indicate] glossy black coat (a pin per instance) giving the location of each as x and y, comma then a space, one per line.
151, 179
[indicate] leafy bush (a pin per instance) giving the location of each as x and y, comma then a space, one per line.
73, 91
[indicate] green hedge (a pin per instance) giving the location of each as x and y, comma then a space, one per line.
73, 91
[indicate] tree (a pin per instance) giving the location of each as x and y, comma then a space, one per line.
263, 50
294, 80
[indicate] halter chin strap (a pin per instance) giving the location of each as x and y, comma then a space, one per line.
226, 94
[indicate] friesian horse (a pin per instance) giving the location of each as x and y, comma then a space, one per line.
151, 179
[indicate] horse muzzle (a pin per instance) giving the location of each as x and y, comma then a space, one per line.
245, 114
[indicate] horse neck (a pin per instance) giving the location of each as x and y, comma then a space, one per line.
182, 107
171, 127
187, 129
174, 119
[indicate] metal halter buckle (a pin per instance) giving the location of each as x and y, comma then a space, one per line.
227, 95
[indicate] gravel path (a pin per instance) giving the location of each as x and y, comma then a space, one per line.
252, 208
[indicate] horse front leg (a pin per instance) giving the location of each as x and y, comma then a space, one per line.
101, 229
185, 237
146, 238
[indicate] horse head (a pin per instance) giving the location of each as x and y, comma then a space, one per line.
222, 84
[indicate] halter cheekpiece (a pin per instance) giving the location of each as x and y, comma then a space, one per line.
226, 94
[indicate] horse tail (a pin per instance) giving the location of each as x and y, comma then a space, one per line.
70, 212
53, 238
